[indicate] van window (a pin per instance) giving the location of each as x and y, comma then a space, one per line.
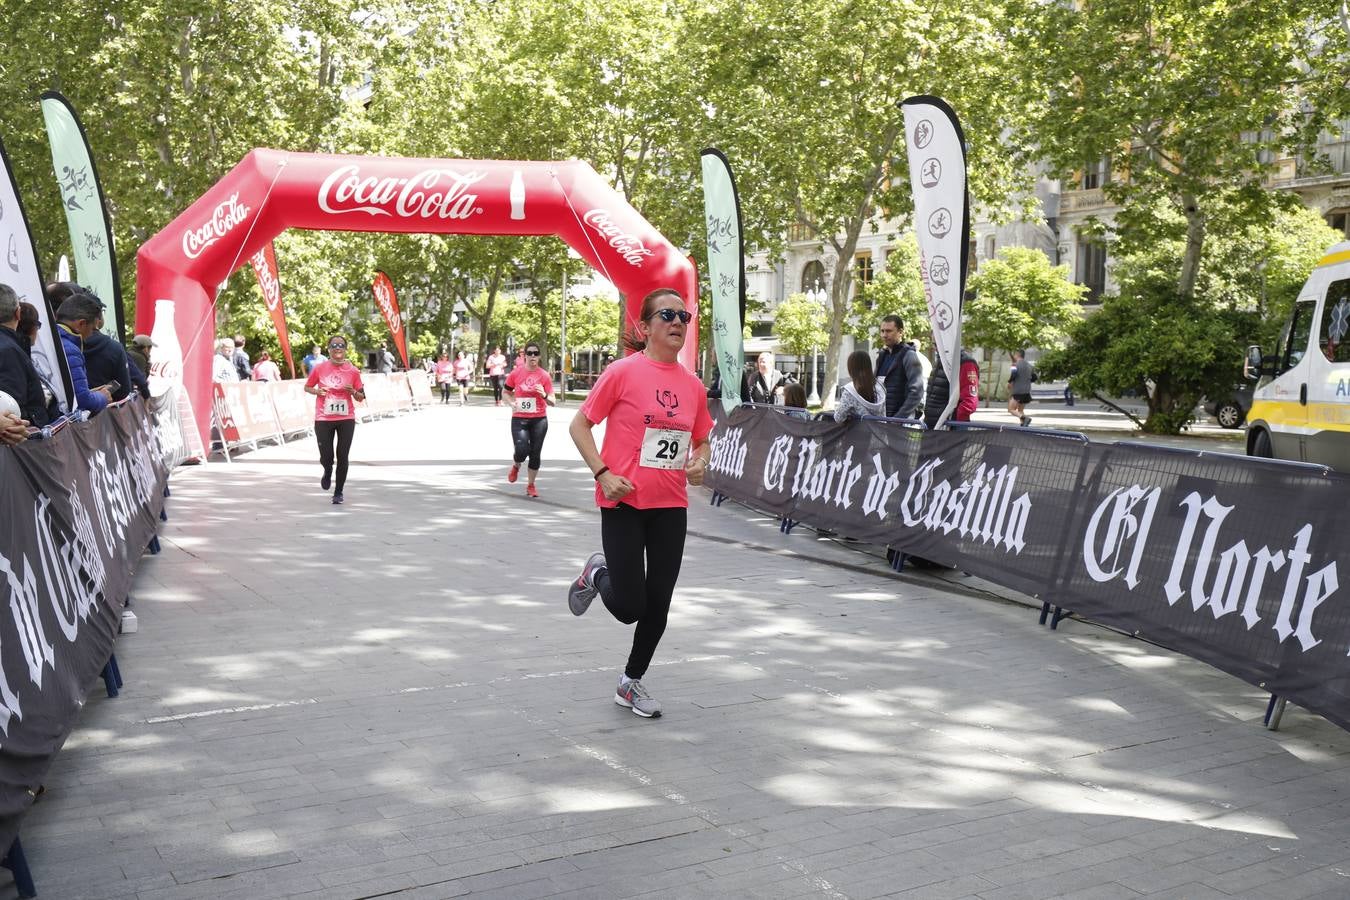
1334, 335
1294, 340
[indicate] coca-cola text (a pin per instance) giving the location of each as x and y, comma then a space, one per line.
629, 246
430, 194
229, 213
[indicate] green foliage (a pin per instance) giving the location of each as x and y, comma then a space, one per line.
1021, 301
799, 324
897, 290
592, 323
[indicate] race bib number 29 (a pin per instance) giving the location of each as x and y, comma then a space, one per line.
663, 448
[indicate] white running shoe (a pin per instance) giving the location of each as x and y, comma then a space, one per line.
634, 696
583, 590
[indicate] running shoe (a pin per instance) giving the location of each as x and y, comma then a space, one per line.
337, 499
327, 480
1026, 420
531, 491
512, 475
584, 589
634, 696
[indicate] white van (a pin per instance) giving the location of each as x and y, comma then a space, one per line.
1301, 405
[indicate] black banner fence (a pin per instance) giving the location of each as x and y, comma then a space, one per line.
78, 510
1229, 560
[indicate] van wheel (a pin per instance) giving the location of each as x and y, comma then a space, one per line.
1261, 446
1229, 415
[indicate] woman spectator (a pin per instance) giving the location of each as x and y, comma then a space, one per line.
864, 395
764, 383
264, 369
794, 401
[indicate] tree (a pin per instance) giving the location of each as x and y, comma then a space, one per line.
799, 323
1021, 301
898, 290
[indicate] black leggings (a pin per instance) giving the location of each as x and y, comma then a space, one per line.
497, 388
445, 392
343, 429
528, 435
635, 592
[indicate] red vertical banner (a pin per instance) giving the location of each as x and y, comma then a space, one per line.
386, 300
265, 267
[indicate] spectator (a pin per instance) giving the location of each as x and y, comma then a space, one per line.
223, 368
766, 380
315, 357
899, 370
265, 369
863, 395
105, 360
794, 401
240, 360
139, 352
18, 377
13, 430
29, 325
76, 320
386, 362
939, 392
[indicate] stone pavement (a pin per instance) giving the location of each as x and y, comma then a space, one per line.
390, 699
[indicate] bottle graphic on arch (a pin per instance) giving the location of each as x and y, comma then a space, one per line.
517, 196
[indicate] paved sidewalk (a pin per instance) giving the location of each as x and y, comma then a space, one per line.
390, 699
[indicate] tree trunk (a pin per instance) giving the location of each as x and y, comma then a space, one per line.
1195, 243
486, 317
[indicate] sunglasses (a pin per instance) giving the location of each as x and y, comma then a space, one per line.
337, 345
531, 352
670, 315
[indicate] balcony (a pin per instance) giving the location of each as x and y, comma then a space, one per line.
1092, 200
798, 233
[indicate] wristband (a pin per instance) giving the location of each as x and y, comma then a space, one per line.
603, 470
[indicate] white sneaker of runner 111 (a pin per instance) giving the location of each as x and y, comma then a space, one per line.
582, 591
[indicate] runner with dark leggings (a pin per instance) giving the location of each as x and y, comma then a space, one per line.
531, 393
656, 430
336, 384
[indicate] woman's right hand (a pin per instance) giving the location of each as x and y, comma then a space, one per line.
615, 487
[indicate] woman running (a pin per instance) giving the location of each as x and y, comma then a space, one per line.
656, 431
337, 384
531, 393
445, 375
463, 372
496, 369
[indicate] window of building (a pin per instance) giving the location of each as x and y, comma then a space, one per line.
761, 329
862, 269
813, 276
1334, 336
1092, 269
1097, 174
989, 247
1339, 220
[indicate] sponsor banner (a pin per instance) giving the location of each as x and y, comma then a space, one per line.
387, 301
726, 271
79, 510
245, 412
381, 399
264, 264
294, 408
91, 239
402, 393
936, 147
420, 386
1232, 561
19, 269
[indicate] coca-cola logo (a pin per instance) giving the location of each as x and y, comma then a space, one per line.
267, 280
430, 194
628, 246
228, 214
384, 296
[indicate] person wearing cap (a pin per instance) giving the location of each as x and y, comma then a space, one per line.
139, 352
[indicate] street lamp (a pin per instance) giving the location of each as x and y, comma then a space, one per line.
815, 295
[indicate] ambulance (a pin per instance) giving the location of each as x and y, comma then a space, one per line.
1301, 404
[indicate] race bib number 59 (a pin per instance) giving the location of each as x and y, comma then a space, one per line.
527, 404
663, 448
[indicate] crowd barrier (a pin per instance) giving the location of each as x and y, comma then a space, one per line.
80, 507
1229, 560
245, 413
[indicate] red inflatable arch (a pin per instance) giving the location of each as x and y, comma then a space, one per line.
270, 191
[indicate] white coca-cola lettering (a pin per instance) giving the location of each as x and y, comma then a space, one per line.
628, 246
266, 280
385, 298
429, 194
228, 214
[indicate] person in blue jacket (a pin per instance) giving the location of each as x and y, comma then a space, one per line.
76, 319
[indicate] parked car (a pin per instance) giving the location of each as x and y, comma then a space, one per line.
1230, 410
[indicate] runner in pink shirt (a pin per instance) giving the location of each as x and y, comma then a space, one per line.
531, 393
463, 372
336, 384
445, 374
496, 369
656, 442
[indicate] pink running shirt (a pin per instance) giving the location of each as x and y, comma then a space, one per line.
445, 372
463, 370
338, 403
528, 404
650, 410
496, 364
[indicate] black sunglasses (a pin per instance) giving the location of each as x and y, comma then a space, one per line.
337, 345
670, 315
531, 352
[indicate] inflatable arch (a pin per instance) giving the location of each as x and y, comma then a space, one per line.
270, 191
